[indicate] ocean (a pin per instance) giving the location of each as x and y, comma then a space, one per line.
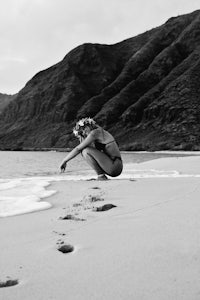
24, 176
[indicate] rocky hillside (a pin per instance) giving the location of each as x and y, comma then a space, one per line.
145, 90
5, 100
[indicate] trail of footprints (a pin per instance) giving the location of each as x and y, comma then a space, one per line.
87, 203
73, 214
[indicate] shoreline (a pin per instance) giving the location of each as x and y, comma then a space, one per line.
148, 242
46, 149
29, 194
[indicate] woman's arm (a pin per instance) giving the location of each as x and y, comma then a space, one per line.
71, 155
89, 139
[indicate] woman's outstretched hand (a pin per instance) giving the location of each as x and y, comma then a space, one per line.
63, 167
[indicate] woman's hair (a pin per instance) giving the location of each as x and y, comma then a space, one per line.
82, 124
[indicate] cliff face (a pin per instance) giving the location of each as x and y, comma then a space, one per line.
145, 90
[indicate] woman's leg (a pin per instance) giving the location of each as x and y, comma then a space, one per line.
102, 163
86, 153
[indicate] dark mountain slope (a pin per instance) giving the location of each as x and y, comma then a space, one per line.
145, 90
136, 65
5, 100
175, 51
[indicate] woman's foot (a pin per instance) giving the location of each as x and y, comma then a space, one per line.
102, 177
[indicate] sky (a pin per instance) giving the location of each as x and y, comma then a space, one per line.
36, 34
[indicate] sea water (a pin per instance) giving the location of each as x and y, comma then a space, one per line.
24, 176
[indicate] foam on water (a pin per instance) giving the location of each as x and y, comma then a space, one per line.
19, 196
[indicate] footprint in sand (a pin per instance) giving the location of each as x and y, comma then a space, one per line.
66, 248
59, 233
104, 207
8, 283
77, 208
60, 242
71, 217
94, 198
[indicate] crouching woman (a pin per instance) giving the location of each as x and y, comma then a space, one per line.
98, 147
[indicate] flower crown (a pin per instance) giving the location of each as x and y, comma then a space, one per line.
81, 124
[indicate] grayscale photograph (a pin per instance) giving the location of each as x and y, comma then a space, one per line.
99, 149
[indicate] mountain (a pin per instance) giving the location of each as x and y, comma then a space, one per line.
144, 90
5, 100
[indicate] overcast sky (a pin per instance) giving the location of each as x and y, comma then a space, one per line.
35, 34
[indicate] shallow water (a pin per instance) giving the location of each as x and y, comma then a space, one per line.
24, 176
17, 164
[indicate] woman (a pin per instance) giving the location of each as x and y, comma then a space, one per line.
98, 147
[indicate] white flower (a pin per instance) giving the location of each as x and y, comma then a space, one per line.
81, 123
90, 121
75, 132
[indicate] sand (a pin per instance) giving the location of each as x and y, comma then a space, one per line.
147, 247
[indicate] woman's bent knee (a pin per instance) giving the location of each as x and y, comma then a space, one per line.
116, 171
86, 151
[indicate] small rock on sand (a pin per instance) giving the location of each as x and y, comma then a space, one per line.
8, 283
66, 248
104, 207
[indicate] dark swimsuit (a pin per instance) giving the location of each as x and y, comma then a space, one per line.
101, 147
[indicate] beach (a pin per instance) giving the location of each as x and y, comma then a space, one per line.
146, 246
